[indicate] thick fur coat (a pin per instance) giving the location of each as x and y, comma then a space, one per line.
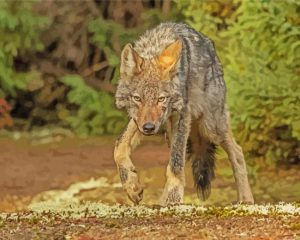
172, 76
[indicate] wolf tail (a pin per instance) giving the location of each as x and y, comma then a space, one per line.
203, 166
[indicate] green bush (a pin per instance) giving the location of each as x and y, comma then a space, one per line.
263, 56
110, 37
211, 18
19, 31
94, 111
258, 43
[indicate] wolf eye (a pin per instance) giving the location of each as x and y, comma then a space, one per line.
136, 98
161, 99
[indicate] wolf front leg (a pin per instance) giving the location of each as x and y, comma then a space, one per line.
125, 144
174, 187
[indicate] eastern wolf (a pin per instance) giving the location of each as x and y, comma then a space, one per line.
172, 76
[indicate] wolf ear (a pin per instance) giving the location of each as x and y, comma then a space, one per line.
169, 56
131, 62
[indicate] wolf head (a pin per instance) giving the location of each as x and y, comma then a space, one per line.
148, 88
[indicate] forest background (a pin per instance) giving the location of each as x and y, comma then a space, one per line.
59, 65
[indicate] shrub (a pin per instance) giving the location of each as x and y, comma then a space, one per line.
110, 37
94, 111
19, 31
258, 42
209, 17
263, 56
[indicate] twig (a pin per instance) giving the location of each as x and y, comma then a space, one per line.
95, 68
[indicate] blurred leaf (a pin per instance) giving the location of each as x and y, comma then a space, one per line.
96, 113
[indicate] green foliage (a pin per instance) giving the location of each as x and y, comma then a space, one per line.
19, 31
264, 55
261, 53
258, 43
94, 113
208, 17
111, 37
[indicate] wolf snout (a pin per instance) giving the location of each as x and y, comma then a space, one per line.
148, 128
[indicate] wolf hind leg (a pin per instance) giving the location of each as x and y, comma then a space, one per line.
236, 157
217, 130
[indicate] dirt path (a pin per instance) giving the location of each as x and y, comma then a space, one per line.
27, 169
233, 228
80, 170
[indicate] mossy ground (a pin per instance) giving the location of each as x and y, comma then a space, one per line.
87, 221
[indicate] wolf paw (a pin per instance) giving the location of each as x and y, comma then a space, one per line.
172, 195
133, 188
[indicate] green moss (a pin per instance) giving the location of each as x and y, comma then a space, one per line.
104, 211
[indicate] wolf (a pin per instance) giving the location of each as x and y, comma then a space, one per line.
171, 77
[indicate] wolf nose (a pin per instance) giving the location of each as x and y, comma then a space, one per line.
148, 127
